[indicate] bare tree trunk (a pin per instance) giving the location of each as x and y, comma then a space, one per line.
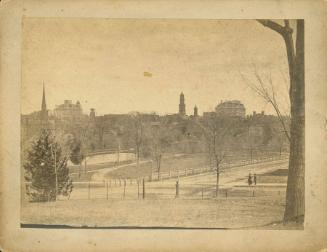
159, 166
217, 181
211, 166
137, 156
217, 173
295, 186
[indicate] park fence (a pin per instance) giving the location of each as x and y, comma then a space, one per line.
125, 189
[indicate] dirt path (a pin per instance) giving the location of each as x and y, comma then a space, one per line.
235, 175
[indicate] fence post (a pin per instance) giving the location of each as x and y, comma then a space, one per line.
89, 191
124, 188
143, 188
226, 193
177, 189
138, 189
85, 165
202, 192
107, 189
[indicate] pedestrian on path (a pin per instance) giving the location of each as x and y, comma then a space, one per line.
250, 179
177, 189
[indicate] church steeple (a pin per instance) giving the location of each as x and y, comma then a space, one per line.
181, 104
44, 112
44, 105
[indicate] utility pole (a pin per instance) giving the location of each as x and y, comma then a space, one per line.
55, 165
250, 143
151, 161
217, 182
251, 154
143, 189
85, 163
118, 157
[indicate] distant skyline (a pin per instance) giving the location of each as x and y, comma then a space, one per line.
124, 65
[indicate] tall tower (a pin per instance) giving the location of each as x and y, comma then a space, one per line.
181, 104
195, 111
44, 112
92, 114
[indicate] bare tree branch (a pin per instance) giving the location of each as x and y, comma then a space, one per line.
268, 96
272, 25
286, 32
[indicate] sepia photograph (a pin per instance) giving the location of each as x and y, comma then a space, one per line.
162, 123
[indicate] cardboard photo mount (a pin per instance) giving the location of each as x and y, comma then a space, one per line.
314, 235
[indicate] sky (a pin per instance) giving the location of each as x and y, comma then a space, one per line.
124, 65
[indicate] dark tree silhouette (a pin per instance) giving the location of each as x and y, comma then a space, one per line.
77, 154
46, 170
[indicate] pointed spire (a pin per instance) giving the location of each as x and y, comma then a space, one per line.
44, 105
44, 112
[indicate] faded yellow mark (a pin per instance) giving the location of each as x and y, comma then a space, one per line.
147, 74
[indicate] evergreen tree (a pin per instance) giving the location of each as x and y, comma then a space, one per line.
45, 168
77, 154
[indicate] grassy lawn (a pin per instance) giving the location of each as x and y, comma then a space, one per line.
93, 167
278, 176
221, 213
130, 171
239, 211
167, 163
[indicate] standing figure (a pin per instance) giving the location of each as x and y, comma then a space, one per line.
177, 189
255, 179
250, 179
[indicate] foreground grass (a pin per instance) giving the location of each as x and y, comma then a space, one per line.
234, 212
